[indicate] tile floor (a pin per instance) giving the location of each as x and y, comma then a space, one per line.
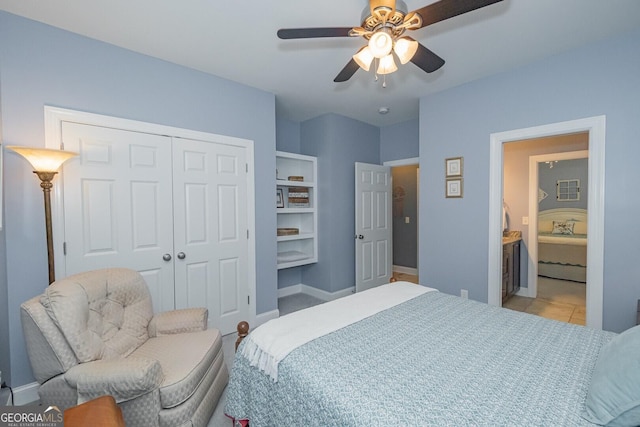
557, 299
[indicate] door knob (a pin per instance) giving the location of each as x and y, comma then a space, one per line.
181, 255
166, 257
360, 236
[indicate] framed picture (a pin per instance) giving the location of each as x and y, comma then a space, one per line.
453, 166
453, 187
279, 198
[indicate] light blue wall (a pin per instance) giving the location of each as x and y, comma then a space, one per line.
41, 65
287, 135
322, 137
599, 79
5, 355
564, 169
400, 141
338, 142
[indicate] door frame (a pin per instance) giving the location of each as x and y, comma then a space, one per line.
53, 119
534, 161
409, 162
595, 126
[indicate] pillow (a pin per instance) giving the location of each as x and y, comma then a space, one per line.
563, 227
614, 392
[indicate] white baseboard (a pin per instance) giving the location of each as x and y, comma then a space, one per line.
524, 292
290, 290
26, 394
405, 270
314, 292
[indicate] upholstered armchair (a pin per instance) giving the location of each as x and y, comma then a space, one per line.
95, 334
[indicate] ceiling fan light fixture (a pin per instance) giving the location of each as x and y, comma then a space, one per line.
380, 44
387, 65
405, 48
363, 58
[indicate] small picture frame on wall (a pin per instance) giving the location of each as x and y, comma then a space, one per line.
453, 166
279, 198
453, 188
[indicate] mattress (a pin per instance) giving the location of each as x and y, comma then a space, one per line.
435, 360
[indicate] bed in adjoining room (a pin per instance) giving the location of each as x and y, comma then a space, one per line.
562, 244
405, 354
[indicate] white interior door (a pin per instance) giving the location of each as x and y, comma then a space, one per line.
373, 226
118, 205
211, 244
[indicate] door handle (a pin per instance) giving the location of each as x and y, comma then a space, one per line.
360, 236
166, 257
181, 255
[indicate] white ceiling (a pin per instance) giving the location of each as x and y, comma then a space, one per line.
237, 40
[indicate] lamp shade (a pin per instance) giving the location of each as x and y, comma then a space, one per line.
387, 65
380, 44
405, 48
43, 159
363, 58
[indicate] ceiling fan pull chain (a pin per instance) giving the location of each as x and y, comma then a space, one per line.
384, 81
375, 69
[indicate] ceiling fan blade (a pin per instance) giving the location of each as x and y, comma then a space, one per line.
309, 33
348, 71
445, 9
426, 59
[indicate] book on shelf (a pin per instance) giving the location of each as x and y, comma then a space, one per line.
298, 197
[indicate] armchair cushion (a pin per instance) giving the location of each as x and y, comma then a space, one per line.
124, 379
178, 321
185, 359
102, 314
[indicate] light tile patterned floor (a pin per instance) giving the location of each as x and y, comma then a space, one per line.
557, 299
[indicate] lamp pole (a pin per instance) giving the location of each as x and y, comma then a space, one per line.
45, 184
46, 163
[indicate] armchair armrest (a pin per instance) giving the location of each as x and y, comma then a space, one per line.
124, 379
178, 321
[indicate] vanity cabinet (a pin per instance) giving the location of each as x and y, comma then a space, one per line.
297, 204
510, 269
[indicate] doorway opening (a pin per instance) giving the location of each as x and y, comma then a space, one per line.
595, 128
405, 190
553, 272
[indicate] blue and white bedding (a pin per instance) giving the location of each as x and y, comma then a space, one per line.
562, 244
434, 360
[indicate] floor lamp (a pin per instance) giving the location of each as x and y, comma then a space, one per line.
46, 163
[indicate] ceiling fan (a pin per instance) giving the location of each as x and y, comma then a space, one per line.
383, 24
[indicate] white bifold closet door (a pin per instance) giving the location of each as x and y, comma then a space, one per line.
173, 209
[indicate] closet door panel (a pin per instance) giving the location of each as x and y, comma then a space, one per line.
117, 210
209, 183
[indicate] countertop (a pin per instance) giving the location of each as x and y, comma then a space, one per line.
511, 236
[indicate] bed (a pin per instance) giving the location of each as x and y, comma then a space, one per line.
430, 360
562, 244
